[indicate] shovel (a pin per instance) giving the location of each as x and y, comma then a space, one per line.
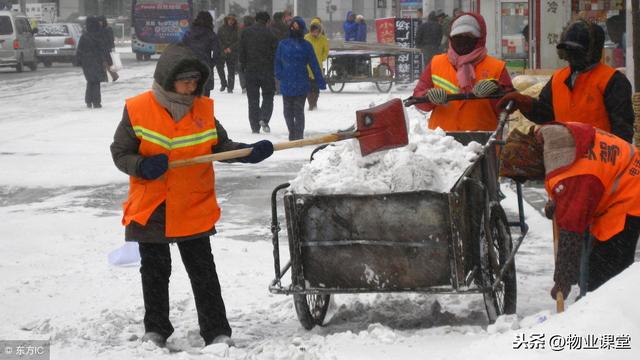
378, 128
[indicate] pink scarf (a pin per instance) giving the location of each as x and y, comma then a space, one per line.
464, 64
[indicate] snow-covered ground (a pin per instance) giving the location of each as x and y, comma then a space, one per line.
59, 195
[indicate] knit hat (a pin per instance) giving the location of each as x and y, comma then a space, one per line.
465, 24
189, 74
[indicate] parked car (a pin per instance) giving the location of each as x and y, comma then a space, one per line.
58, 43
17, 45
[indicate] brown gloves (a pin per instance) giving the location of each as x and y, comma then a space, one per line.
523, 103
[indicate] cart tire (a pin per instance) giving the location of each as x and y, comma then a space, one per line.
383, 70
336, 73
311, 309
502, 300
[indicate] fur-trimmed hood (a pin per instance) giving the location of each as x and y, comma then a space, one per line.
175, 59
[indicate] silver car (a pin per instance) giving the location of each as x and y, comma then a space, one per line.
17, 47
58, 42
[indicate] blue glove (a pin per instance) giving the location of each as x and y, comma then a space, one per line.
261, 150
153, 167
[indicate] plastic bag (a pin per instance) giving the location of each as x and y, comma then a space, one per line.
126, 255
117, 63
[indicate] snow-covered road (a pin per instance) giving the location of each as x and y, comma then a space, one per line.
59, 205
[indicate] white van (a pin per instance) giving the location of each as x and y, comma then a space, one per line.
17, 46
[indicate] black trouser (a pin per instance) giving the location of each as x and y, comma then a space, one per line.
294, 115
92, 95
155, 269
611, 257
313, 94
227, 81
241, 75
257, 113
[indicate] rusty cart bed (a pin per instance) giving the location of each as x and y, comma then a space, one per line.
423, 241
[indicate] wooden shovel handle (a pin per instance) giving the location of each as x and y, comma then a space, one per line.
556, 238
235, 154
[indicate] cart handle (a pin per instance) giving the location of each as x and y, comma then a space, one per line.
412, 100
275, 229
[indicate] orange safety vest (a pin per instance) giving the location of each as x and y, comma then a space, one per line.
471, 115
617, 165
585, 103
188, 192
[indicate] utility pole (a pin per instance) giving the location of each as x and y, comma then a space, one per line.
635, 24
23, 6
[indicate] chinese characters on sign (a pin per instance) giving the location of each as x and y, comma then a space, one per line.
537, 341
24, 350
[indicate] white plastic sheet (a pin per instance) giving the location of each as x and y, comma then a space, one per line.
126, 255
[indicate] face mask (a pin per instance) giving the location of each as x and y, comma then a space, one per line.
577, 58
296, 33
463, 45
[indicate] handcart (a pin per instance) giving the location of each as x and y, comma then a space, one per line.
458, 242
352, 62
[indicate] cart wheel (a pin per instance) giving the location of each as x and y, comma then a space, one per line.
384, 71
336, 74
311, 309
496, 235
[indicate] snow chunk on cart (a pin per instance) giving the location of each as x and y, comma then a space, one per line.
431, 161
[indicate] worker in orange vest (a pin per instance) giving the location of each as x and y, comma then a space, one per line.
586, 91
465, 68
174, 122
592, 178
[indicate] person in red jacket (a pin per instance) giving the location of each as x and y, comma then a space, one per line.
592, 178
586, 91
465, 68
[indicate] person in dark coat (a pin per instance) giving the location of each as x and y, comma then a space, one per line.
257, 50
229, 39
92, 55
361, 34
293, 56
204, 42
151, 219
350, 27
429, 37
110, 45
278, 26
247, 21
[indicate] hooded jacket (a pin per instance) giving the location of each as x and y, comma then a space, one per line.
350, 28
92, 52
292, 58
126, 144
204, 43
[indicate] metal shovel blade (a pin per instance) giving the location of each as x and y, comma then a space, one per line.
382, 127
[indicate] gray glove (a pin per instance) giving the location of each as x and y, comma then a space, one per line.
485, 88
437, 96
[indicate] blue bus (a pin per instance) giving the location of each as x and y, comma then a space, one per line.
158, 23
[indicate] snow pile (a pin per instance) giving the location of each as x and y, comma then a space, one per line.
432, 161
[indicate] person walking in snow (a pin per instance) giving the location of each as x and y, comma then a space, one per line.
229, 39
428, 37
178, 206
92, 54
350, 27
320, 45
465, 68
257, 50
204, 42
585, 91
592, 179
292, 58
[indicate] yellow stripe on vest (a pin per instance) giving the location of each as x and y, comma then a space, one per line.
177, 142
445, 84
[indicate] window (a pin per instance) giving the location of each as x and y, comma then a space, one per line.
5, 25
23, 26
53, 30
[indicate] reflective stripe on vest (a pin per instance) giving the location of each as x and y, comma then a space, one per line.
617, 165
188, 192
585, 103
472, 115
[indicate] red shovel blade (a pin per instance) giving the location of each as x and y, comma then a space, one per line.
382, 127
